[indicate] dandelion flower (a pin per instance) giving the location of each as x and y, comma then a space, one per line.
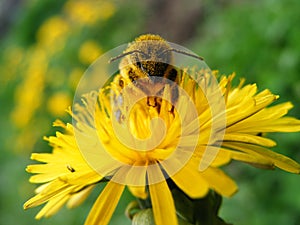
99, 147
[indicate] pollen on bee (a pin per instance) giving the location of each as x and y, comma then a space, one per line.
121, 83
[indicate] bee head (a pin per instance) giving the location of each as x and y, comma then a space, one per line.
149, 55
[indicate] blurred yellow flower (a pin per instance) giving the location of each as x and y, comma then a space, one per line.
29, 93
58, 103
89, 12
53, 34
43, 65
124, 152
89, 51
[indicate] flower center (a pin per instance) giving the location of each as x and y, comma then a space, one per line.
145, 134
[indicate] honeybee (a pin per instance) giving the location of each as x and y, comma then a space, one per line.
149, 57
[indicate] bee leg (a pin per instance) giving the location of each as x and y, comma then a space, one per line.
158, 102
151, 101
154, 102
175, 94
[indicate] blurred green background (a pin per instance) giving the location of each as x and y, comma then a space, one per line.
47, 45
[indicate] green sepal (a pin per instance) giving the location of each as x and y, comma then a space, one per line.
143, 217
202, 211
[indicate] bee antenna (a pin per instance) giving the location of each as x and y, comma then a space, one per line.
183, 53
124, 54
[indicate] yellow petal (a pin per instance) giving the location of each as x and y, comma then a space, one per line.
246, 107
274, 112
46, 196
219, 181
52, 206
190, 180
105, 204
211, 156
222, 158
162, 201
136, 180
78, 198
139, 192
42, 178
43, 157
247, 138
285, 124
255, 160
84, 178
281, 161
